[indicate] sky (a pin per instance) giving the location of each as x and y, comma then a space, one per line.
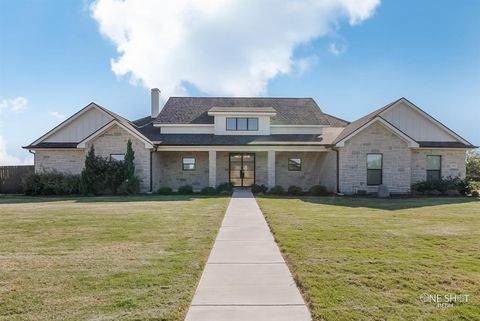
351, 56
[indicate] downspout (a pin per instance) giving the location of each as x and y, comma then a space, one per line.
338, 169
151, 174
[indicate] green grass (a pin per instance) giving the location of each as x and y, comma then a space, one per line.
372, 259
103, 258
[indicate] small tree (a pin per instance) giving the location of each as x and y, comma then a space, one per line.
129, 161
473, 165
87, 179
132, 184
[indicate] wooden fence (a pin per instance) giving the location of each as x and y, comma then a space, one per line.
11, 178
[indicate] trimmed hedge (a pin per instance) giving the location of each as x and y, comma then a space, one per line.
256, 189
225, 188
277, 190
51, 183
443, 186
318, 190
185, 190
165, 190
294, 190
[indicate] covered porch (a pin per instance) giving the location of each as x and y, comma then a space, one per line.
243, 166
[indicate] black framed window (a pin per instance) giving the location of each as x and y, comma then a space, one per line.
294, 164
434, 167
374, 169
231, 123
188, 164
241, 123
117, 157
252, 123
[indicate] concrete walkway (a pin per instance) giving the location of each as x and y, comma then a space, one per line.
246, 277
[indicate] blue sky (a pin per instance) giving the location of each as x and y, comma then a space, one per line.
53, 54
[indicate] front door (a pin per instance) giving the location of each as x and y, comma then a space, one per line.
242, 169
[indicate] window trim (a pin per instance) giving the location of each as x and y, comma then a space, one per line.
433, 170
381, 169
294, 170
118, 160
188, 169
236, 124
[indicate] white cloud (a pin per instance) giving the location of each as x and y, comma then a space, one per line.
230, 47
305, 63
336, 49
56, 114
15, 104
7, 159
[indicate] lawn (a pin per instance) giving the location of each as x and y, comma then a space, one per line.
374, 259
117, 258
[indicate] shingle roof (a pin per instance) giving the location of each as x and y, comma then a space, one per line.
52, 145
194, 110
445, 145
211, 139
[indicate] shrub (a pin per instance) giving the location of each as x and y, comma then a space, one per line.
165, 190
277, 190
259, 189
474, 186
318, 190
51, 183
208, 190
441, 186
294, 190
475, 193
185, 190
109, 176
225, 188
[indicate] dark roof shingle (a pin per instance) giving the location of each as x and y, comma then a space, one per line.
194, 110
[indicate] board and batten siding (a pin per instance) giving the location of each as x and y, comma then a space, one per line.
416, 125
81, 127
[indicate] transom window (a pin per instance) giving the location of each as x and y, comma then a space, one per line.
188, 164
242, 123
434, 167
117, 157
374, 169
294, 164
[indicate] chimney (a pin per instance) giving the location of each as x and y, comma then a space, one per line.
155, 102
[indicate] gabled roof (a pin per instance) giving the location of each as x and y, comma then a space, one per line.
116, 119
356, 126
290, 111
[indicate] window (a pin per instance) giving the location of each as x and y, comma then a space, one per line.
294, 164
117, 157
374, 169
188, 164
231, 124
242, 123
252, 123
434, 165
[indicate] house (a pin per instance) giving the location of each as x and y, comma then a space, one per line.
205, 141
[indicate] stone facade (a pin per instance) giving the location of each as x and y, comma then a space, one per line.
396, 160
61, 160
452, 163
309, 174
114, 141
167, 170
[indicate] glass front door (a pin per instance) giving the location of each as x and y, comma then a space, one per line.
242, 169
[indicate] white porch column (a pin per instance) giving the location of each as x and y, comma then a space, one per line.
271, 168
212, 168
